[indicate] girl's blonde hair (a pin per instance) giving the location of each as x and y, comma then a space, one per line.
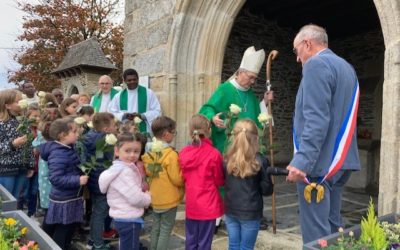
241, 154
199, 127
7, 96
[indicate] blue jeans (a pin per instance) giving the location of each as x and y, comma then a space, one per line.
99, 213
128, 235
30, 193
13, 183
242, 234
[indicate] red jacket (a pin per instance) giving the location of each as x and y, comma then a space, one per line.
202, 171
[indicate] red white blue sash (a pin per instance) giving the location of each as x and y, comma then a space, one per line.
343, 139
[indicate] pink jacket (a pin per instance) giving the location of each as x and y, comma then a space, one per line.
123, 184
202, 171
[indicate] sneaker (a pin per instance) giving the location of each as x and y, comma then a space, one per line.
110, 235
89, 244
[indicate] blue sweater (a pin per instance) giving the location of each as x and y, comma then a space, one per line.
64, 170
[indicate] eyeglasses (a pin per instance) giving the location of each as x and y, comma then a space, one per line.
251, 77
295, 47
105, 83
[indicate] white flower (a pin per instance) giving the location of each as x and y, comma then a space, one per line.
340, 230
235, 109
79, 120
351, 234
111, 139
156, 146
263, 117
41, 94
24, 96
137, 120
90, 124
23, 104
118, 88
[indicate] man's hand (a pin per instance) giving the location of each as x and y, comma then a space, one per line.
218, 122
295, 174
268, 96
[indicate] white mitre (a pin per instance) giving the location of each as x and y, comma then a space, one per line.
252, 60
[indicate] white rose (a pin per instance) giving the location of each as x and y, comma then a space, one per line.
24, 96
137, 120
79, 120
263, 117
111, 139
90, 124
156, 146
118, 88
235, 109
41, 94
23, 104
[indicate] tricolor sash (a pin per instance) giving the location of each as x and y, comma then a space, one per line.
142, 104
342, 142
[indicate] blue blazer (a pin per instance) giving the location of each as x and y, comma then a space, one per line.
322, 101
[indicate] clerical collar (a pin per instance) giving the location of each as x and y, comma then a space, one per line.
237, 85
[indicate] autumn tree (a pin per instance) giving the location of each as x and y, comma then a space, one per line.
52, 26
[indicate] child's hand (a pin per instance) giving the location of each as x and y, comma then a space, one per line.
83, 179
19, 141
29, 174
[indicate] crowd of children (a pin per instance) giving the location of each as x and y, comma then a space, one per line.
139, 174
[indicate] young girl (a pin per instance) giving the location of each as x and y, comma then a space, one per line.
123, 184
201, 166
246, 182
13, 167
66, 204
84, 99
68, 107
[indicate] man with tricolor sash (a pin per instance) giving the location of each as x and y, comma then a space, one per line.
103, 97
135, 101
324, 137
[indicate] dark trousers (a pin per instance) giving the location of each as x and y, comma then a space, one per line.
63, 234
199, 234
47, 228
128, 235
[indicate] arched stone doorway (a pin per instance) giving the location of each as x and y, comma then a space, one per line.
199, 35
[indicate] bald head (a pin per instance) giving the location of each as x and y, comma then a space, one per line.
105, 84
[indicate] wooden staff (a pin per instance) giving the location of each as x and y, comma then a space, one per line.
272, 55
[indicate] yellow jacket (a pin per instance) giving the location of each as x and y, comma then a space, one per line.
166, 189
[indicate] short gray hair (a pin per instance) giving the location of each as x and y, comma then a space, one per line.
313, 32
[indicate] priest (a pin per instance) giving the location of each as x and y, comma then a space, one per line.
105, 94
135, 101
237, 90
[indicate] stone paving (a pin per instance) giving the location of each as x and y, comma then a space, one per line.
355, 203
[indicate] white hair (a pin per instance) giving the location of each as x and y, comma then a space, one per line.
313, 32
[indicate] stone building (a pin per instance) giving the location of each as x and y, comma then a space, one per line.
82, 66
188, 47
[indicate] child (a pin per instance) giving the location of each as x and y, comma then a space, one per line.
31, 188
103, 124
166, 186
13, 166
202, 171
66, 204
122, 183
246, 182
68, 107
86, 112
84, 99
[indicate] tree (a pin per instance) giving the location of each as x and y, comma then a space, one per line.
52, 26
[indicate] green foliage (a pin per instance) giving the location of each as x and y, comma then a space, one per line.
392, 231
155, 167
371, 232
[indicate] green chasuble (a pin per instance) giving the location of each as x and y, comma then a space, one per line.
142, 104
97, 99
225, 95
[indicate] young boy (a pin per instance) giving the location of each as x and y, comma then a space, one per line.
103, 124
166, 184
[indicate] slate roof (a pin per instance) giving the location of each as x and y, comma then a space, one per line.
87, 53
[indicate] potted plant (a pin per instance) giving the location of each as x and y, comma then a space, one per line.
373, 233
7, 202
18, 231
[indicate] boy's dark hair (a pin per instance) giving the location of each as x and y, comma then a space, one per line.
129, 72
161, 125
127, 137
102, 120
85, 110
59, 126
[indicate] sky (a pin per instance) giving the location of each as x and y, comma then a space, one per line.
10, 28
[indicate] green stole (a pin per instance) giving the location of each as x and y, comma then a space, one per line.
97, 99
142, 104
